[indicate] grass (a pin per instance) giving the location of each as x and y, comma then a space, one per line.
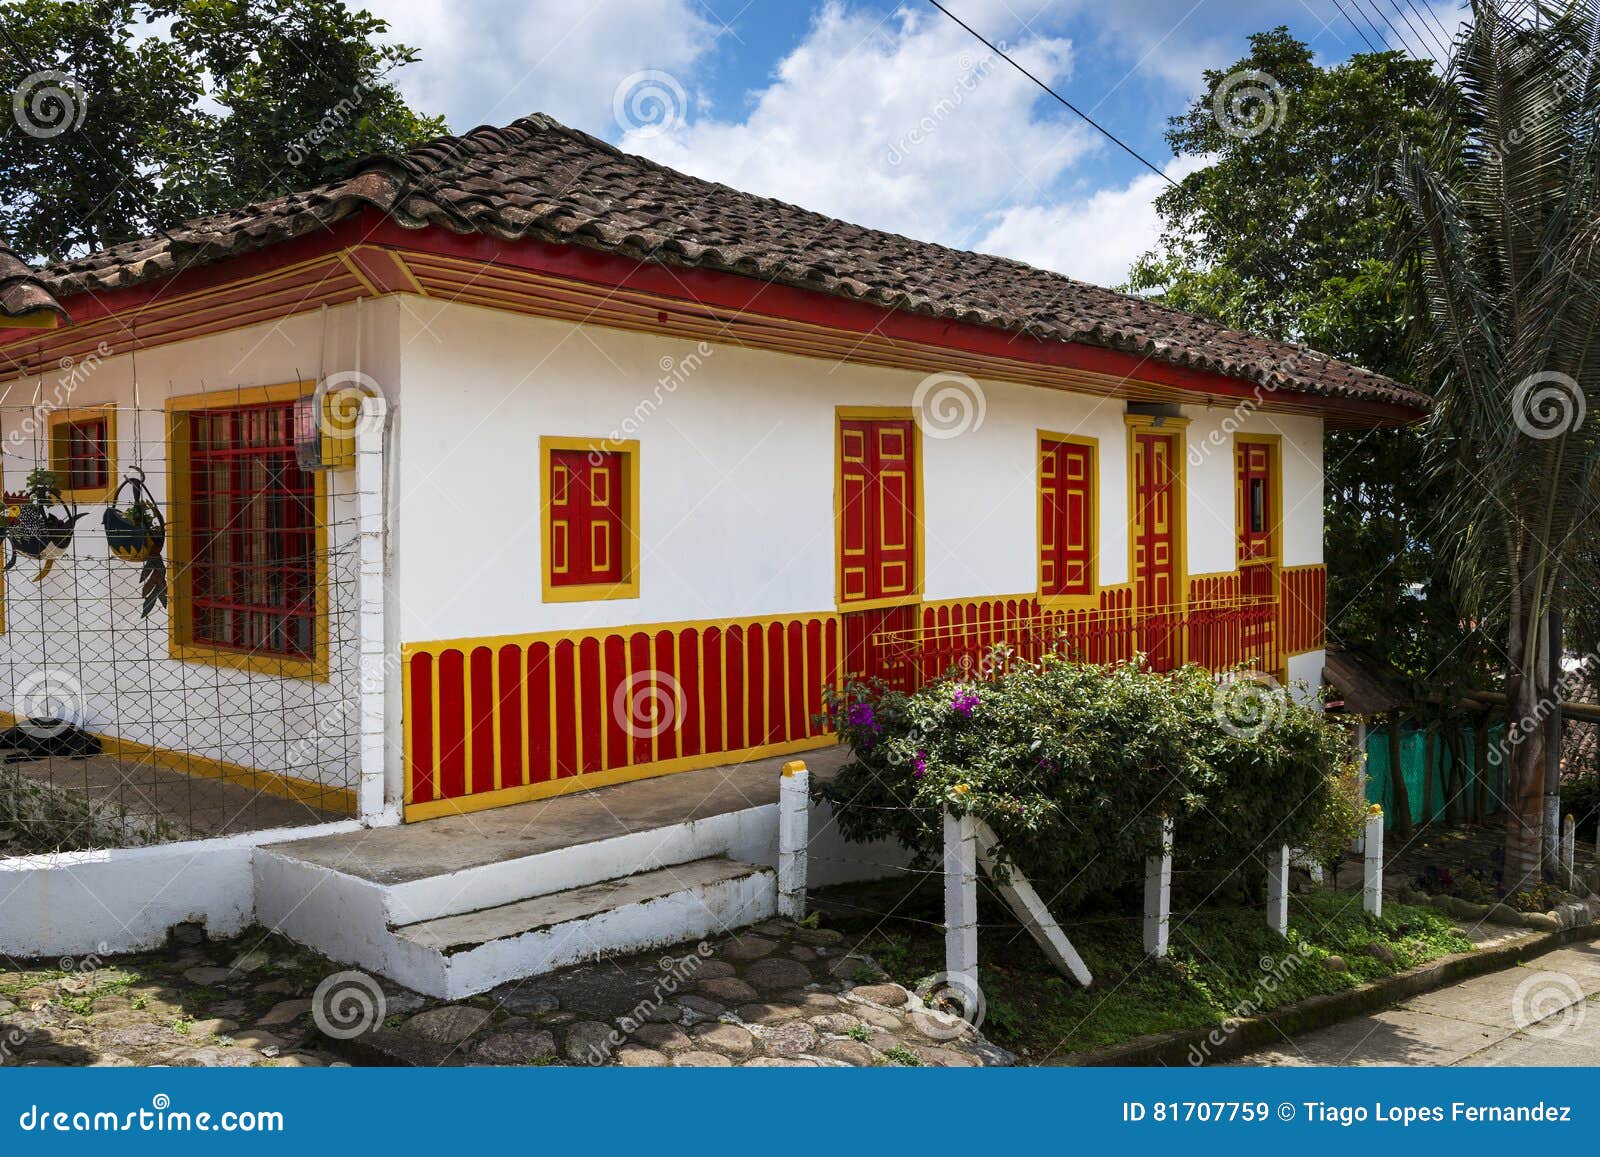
1223, 962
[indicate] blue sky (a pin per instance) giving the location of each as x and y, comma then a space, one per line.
883, 113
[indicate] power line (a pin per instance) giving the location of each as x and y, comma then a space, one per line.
1387, 23
1089, 120
1361, 32
1430, 20
1425, 38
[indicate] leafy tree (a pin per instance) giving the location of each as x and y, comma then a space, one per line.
162, 110
1293, 230
1507, 205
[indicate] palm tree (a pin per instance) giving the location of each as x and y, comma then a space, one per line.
1506, 202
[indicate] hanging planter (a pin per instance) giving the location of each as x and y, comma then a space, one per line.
31, 526
137, 533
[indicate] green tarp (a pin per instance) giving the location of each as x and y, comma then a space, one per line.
1413, 749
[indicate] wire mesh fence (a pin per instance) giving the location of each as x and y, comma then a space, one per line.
179, 655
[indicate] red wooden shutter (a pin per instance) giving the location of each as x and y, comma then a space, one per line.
586, 544
878, 509
1066, 507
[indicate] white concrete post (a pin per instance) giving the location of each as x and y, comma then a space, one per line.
1278, 891
1158, 894
1028, 907
1372, 863
370, 470
1569, 851
794, 834
961, 896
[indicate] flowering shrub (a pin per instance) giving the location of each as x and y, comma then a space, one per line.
1074, 765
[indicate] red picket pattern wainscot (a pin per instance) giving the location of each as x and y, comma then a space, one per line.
499, 720
1304, 608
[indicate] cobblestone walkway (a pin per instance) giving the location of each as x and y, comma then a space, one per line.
779, 994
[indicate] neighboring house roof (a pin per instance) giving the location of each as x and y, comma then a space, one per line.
539, 179
1368, 687
23, 294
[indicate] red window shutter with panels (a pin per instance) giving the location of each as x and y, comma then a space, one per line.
1066, 507
586, 544
878, 509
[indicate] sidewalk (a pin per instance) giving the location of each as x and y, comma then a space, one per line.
1544, 1012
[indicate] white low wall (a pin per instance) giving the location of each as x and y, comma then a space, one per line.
125, 899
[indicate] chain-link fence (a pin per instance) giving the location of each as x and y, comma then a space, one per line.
180, 645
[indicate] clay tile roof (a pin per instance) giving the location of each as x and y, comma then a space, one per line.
23, 292
537, 178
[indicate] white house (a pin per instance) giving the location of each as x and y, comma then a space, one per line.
655, 462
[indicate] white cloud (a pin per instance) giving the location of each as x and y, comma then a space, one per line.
497, 60
1093, 238
898, 121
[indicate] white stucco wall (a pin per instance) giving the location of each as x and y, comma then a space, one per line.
82, 622
737, 468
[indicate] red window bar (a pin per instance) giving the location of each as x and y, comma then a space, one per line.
252, 510
86, 453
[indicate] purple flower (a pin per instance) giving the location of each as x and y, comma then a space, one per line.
965, 702
861, 715
919, 765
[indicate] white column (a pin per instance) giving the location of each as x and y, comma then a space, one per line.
961, 896
1372, 864
794, 834
1158, 894
1278, 890
370, 472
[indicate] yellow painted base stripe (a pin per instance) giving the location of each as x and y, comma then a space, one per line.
341, 800
510, 795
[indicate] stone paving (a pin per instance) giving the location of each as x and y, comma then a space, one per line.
777, 995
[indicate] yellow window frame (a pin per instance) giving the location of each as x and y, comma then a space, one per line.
180, 544
57, 425
628, 588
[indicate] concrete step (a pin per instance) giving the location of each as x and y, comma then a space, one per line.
467, 953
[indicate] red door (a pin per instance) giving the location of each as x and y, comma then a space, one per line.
1156, 541
1255, 517
877, 545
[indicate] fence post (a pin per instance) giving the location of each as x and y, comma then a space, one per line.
1158, 894
1569, 852
794, 834
1278, 891
373, 651
961, 896
1372, 863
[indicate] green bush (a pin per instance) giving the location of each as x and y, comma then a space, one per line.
1074, 765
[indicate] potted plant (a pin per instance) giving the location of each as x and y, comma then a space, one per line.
137, 532
31, 527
